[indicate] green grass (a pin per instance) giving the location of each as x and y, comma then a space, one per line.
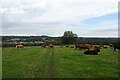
16, 39
36, 62
0, 62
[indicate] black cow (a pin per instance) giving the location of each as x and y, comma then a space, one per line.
93, 52
116, 46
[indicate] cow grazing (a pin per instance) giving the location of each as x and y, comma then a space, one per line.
19, 46
92, 52
50, 45
116, 46
43, 46
83, 46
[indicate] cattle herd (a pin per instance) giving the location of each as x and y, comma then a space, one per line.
90, 49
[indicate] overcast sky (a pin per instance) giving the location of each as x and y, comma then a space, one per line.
86, 18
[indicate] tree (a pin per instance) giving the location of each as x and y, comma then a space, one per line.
69, 37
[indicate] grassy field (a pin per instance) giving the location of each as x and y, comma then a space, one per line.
37, 62
15, 39
0, 62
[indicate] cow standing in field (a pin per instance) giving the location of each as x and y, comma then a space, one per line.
50, 45
19, 46
116, 46
83, 46
92, 52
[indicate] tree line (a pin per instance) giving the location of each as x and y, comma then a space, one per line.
68, 38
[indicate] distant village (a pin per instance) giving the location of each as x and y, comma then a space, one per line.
9, 41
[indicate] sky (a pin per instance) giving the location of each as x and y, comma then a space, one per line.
86, 18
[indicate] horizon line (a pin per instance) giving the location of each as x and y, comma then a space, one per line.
61, 36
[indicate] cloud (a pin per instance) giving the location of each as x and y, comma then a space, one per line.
53, 17
57, 10
107, 28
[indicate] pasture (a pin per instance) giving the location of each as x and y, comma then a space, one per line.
37, 62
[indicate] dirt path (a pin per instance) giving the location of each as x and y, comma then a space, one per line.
46, 67
51, 64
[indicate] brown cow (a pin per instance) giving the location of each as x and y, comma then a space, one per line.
19, 46
43, 46
83, 46
50, 45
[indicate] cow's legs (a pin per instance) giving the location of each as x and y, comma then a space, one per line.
114, 49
